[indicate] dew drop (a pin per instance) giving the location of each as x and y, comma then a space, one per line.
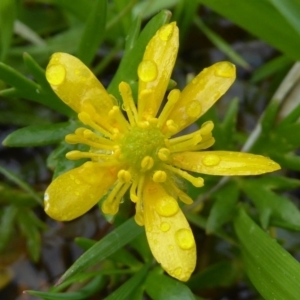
165, 226
177, 272
46, 197
184, 238
167, 206
165, 32
56, 74
193, 109
171, 247
149, 228
225, 69
194, 81
211, 160
147, 70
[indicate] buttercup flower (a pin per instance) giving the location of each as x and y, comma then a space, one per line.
138, 153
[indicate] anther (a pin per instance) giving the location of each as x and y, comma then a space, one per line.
163, 154
195, 181
147, 163
173, 97
124, 176
172, 126
159, 176
86, 119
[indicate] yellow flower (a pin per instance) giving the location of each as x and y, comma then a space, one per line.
139, 153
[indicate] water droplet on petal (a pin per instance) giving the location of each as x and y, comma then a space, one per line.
56, 74
165, 226
211, 160
177, 272
167, 206
184, 238
165, 32
171, 247
46, 197
194, 81
225, 69
147, 70
193, 109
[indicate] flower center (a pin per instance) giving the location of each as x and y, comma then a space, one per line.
140, 147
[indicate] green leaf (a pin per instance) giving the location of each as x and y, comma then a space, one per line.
8, 216
126, 289
222, 273
278, 182
7, 18
290, 10
257, 17
121, 256
271, 269
269, 116
47, 97
271, 67
39, 135
127, 70
58, 162
272, 207
115, 240
22, 184
33, 238
93, 33
90, 289
221, 44
162, 287
223, 208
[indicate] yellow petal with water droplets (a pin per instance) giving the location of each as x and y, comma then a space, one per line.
73, 193
155, 69
76, 85
201, 93
168, 232
224, 163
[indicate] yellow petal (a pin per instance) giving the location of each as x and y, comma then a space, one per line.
201, 93
168, 232
155, 69
73, 193
224, 163
76, 85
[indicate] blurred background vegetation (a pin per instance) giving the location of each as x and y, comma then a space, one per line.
247, 230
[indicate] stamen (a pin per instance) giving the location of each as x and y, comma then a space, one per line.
124, 176
145, 99
143, 124
96, 138
181, 195
203, 145
76, 139
147, 163
133, 194
187, 144
159, 176
116, 113
103, 121
195, 181
75, 154
163, 154
172, 100
111, 204
172, 127
128, 102
139, 215
86, 119
140, 189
